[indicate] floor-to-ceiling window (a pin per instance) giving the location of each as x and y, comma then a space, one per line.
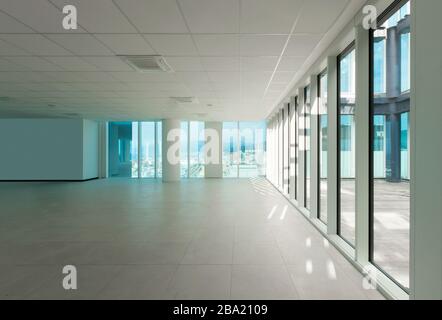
285, 147
196, 149
244, 149
294, 141
322, 146
123, 149
159, 149
147, 152
230, 149
307, 145
192, 156
184, 149
135, 149
390, 107
346, 145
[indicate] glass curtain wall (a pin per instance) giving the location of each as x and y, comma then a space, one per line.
307, 144
159, 149
133, 149
322, 146
390, 108
346, 145
230, 149
196, 149
294, 141
244, 149
147, 152
192, 149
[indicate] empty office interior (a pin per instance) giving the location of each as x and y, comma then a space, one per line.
235, 149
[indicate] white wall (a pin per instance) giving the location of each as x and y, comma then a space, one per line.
426, 152
48, 149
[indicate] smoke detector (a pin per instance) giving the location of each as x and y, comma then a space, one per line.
152, 63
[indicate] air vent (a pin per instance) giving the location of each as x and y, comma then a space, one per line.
147, 63
185, 100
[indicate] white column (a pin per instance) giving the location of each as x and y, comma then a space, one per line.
285, 161
103, 154
170, 130
215, 168
314, 159
292, 147
362, 119
332, 151
301, 149
426, 150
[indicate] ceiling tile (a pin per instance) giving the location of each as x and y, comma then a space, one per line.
221, 63
99, 16
269, 17
262, 45
7, 49
172, 44
185, 63
288, 63
71, 63
108, 63
81, 44
35, 63
326, 12
10, 25
63, 76
35, 44
283, 77
217, 45
40, 15
260, 78
258, 63
211, 16
277, 87
96, 76
302, 45
193, 77
7, 65
153, 16
126, 44
225, 77
144, 77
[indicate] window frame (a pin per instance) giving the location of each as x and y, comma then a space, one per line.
384, 16
340, 57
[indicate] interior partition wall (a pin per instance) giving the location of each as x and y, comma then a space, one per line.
135, 149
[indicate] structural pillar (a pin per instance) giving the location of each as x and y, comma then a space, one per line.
171, 130
214, 141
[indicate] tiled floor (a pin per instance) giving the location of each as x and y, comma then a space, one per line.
142, 239
391, 224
